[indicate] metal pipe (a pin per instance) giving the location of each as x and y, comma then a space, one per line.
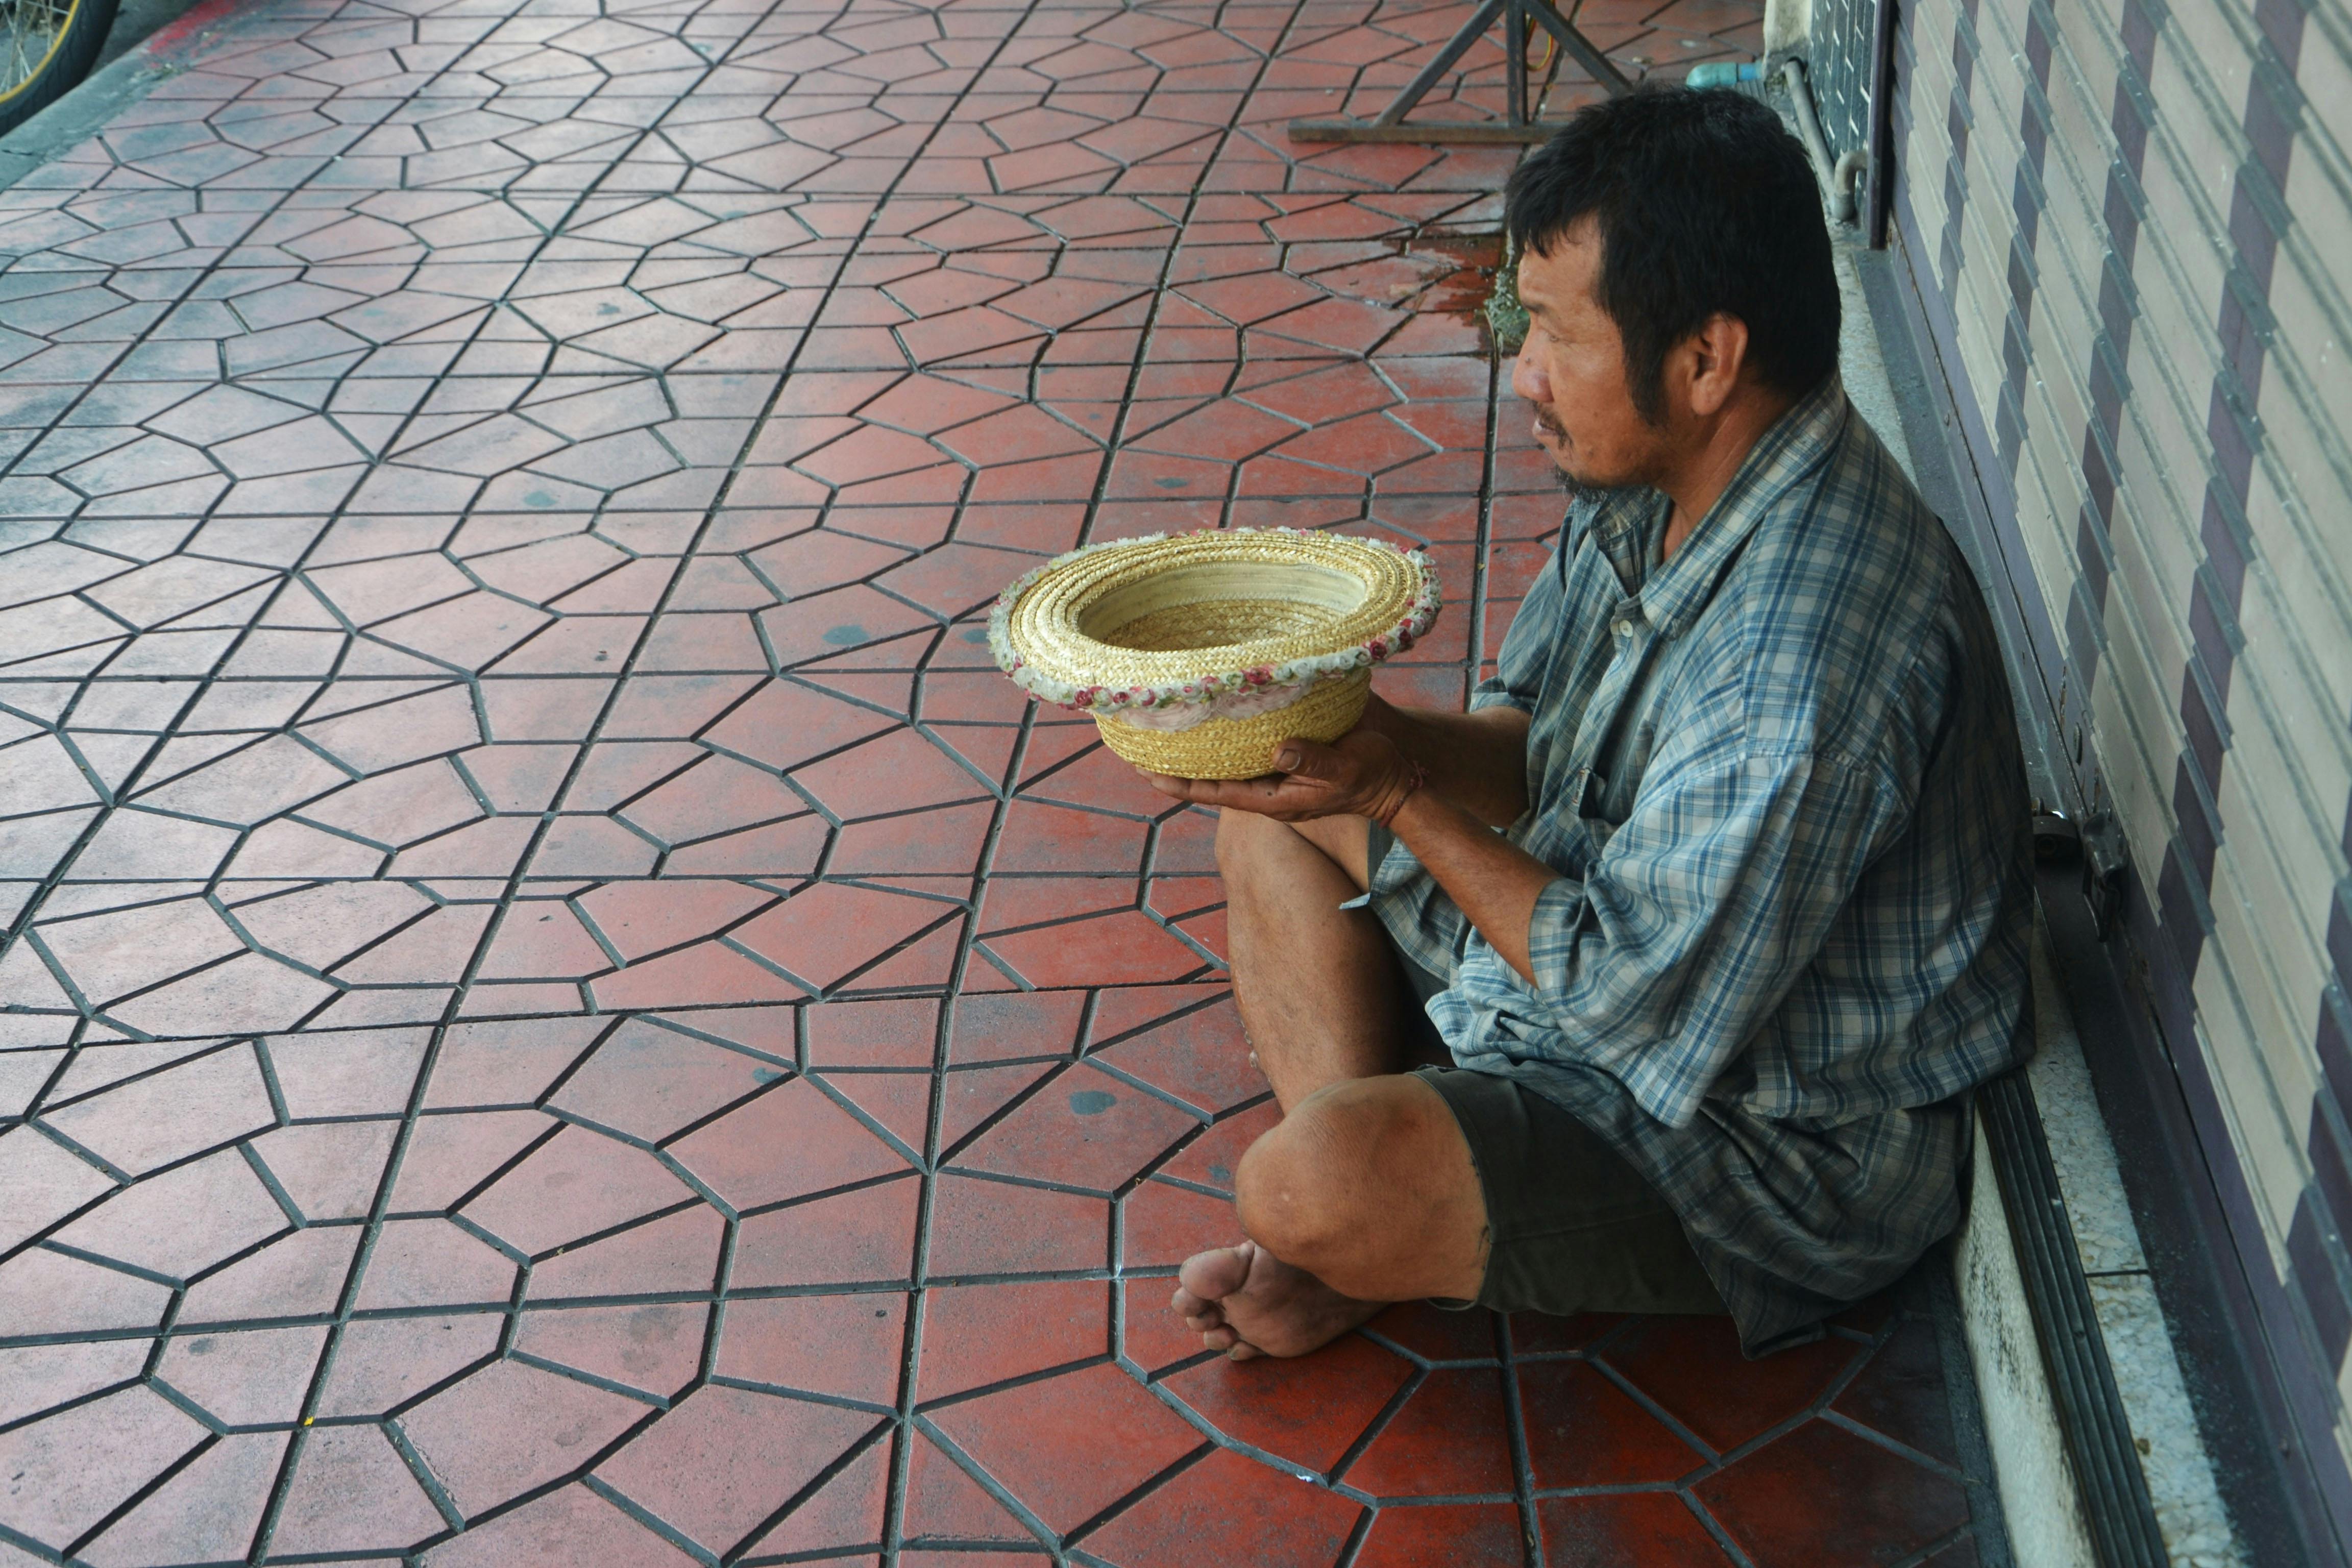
1596, 65
1723, 73
1456, 47
1845, 181
1515, 63
1809, 127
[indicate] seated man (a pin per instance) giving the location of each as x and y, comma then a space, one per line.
1718, 899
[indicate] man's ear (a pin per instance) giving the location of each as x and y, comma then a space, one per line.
1716, 352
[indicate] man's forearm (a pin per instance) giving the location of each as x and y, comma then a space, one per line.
1478, 760
1494, 881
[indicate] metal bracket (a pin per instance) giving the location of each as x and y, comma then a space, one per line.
2105, 856
1519, 124
2098, 847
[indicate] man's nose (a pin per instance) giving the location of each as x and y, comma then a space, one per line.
1528, 379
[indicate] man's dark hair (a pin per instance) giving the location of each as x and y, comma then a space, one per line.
1704, 203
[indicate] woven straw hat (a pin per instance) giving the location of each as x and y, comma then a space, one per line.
1199, 654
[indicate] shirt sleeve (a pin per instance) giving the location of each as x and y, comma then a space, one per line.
1698, 915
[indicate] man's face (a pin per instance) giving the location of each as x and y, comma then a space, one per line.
1573, 369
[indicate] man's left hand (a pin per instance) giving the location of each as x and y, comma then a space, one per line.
1362, 774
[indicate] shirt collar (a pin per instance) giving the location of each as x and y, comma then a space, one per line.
1677, 591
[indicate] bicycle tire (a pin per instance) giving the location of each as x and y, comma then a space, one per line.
28, 86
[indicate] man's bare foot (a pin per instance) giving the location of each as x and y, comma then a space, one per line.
1247, 1302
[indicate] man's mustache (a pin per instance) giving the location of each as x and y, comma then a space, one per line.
1547, 421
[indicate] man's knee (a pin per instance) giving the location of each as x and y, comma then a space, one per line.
1247, 842
1314, 1186
1255, 850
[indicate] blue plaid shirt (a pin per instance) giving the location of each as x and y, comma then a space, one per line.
1779, 778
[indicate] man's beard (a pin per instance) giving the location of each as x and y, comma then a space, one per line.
1579, 493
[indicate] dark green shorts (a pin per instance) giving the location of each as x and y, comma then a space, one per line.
1574, 1228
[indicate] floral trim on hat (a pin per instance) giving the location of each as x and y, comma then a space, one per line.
1247, 703
1258, 688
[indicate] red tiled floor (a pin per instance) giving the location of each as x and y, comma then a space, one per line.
1692, 1369
1885, 1507
1307, 1412
553, 1005
1451, 1439
1448, 1535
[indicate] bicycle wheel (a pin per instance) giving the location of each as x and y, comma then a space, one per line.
46, 46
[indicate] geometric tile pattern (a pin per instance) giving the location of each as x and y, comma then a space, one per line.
554, 1008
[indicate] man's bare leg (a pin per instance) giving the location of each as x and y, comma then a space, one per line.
1319, 995
1366, 1192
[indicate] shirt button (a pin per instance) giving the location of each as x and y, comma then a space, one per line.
1624, 628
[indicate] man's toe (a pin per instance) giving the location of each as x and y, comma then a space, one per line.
1213, 1274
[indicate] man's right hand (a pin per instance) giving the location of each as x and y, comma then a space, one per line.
1363, 773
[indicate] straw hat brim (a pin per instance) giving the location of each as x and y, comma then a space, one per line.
1329, 604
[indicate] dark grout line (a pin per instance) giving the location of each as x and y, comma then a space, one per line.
1515, 1429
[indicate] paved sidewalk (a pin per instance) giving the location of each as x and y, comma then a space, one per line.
557, 1011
